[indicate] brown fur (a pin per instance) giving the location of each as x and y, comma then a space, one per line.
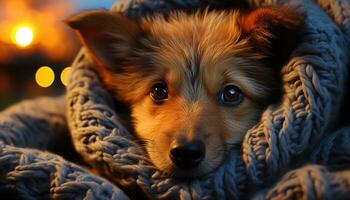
196, 55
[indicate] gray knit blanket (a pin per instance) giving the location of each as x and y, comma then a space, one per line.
74, 146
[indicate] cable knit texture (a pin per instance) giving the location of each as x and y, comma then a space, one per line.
297, 150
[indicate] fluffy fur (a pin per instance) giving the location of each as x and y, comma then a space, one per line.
195, 55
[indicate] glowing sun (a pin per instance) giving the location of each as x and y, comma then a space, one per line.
24, 36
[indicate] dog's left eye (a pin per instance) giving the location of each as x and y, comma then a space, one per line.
159, 92
230, 95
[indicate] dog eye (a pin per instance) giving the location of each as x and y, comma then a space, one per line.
159, 92
230, 95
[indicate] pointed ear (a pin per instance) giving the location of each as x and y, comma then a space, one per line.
274, 31
109, 36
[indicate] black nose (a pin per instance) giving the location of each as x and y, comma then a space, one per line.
187, 154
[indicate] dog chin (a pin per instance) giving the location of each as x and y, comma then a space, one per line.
179, 173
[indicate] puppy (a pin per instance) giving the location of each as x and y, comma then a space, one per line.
194, 83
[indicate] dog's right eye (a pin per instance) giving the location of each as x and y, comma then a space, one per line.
159, 93
230, 95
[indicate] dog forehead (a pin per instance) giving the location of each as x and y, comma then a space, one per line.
194, 34
186, 45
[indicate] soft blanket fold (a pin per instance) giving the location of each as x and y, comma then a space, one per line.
297, 140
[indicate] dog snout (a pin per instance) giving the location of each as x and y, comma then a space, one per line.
186, 154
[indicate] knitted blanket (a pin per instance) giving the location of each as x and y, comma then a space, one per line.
297, 150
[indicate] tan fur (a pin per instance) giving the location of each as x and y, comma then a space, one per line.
196, 56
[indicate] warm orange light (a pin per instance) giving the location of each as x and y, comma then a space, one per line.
24, 36
64, 75
44, 76
45, 33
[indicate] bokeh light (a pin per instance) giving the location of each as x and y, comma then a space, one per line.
36, 27
44, 76
24, 36
65, 75
32, 34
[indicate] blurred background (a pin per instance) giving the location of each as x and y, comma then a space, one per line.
36, 47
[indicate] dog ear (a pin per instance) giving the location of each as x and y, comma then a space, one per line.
273, 31
110, 37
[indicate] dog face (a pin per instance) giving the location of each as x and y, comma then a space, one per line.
195, 83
